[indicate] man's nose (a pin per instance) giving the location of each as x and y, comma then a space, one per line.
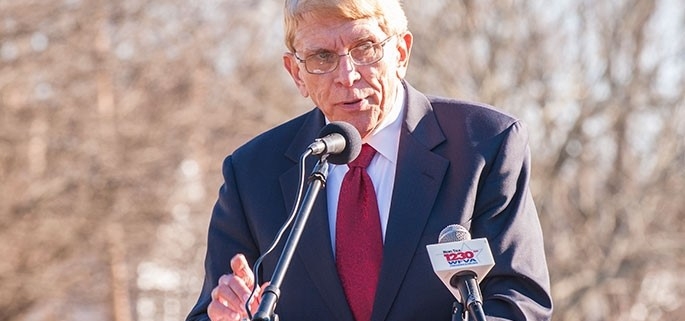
347, 72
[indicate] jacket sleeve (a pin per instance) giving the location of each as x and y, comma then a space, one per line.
228, 235
518, 286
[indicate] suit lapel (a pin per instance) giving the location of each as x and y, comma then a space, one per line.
417, 181
314, 248
418, 178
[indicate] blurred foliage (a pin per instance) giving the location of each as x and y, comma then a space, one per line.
115, 117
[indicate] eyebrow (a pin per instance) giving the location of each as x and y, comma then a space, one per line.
310, 51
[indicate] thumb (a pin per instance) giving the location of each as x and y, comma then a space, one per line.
241, 269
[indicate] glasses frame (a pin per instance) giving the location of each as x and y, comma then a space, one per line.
380, 45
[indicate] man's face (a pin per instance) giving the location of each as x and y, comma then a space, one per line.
359, 95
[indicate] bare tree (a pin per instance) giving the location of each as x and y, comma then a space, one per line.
601, 86
106, 109
115, 116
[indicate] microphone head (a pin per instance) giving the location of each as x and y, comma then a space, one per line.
456, 254
454, 233
353, 141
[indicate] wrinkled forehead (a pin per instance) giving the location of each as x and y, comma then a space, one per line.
335, 33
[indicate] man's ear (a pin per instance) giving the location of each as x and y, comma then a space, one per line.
293, 68
404, 43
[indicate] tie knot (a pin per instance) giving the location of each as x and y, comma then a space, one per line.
364, 158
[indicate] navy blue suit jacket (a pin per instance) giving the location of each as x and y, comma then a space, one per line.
458, 163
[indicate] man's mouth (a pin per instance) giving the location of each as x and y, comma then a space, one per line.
352, 102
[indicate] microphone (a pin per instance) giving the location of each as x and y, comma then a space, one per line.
461, 263
454, 233
340, 141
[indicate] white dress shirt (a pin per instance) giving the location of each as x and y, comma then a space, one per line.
385, 140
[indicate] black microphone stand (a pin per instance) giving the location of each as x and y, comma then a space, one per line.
472, 301
317, 180
458, 312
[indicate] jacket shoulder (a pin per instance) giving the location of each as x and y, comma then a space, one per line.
478, 121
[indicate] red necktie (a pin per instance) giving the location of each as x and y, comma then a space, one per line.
358, 240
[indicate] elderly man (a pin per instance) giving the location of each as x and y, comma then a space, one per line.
432, 162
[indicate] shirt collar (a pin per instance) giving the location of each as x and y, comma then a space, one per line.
385, 138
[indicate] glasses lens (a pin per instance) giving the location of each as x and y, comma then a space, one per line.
367, 53
321, 62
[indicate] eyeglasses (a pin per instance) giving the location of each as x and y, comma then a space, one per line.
326, 61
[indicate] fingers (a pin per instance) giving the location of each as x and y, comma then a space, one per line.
227, 302
228, 299
233, 290
242, 269
219, 312
254, 305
